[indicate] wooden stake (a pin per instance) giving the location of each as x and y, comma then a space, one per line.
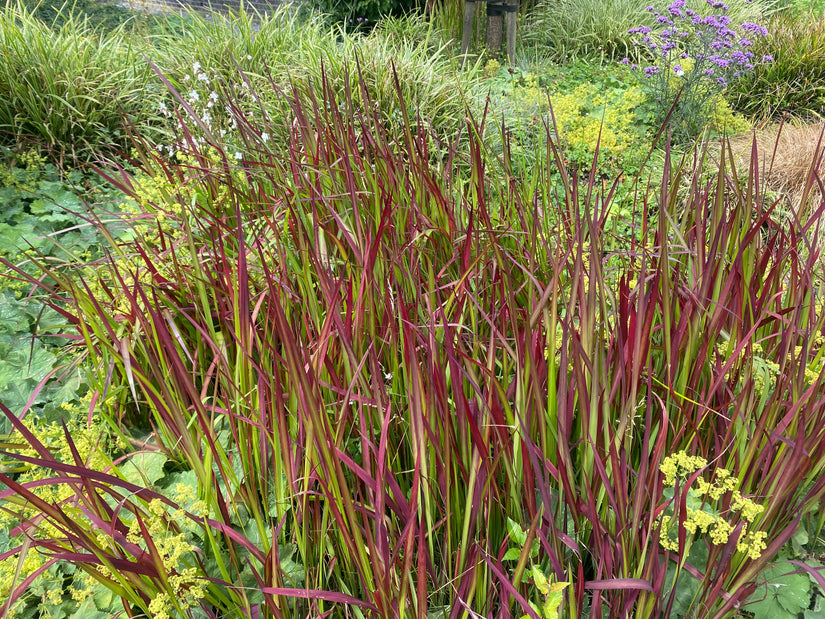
495, 25
467, 29
511, 37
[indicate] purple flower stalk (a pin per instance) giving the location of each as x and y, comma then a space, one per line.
716, 50
755, 29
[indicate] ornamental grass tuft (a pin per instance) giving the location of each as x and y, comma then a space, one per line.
794, 82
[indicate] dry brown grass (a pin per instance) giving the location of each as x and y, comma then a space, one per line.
790, 160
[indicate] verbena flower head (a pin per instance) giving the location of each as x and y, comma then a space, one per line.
697, 53
675, 9
755, 29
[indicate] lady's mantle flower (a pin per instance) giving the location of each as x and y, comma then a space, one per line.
680, 465
711, 519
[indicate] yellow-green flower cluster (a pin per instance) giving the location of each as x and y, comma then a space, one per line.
492, 67
746, 507
752, 543
813, 368
24, 173
723, 482
721, 531
154, 196
185, 587
17, 286
765, 371
680, 465
169, 530
699, 521
92, 442
586, 117
159, 214
155, 207
667, 536
726, 121
8, 570
184, 494
706, 520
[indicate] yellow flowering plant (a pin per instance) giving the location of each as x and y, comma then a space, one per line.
60, 504
714, 509
602, 112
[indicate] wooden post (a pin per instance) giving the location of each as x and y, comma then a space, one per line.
467, 29
498, 14
511, 17
495, 23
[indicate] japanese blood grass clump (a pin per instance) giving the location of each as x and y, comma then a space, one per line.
435, 391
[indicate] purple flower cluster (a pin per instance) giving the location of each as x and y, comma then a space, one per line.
695, 54
719, 51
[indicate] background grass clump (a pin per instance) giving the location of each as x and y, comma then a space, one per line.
75, 90
361, 14
568, 29
68, 89
793, 83
99, 15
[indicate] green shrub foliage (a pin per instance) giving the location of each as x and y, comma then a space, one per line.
361, 14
